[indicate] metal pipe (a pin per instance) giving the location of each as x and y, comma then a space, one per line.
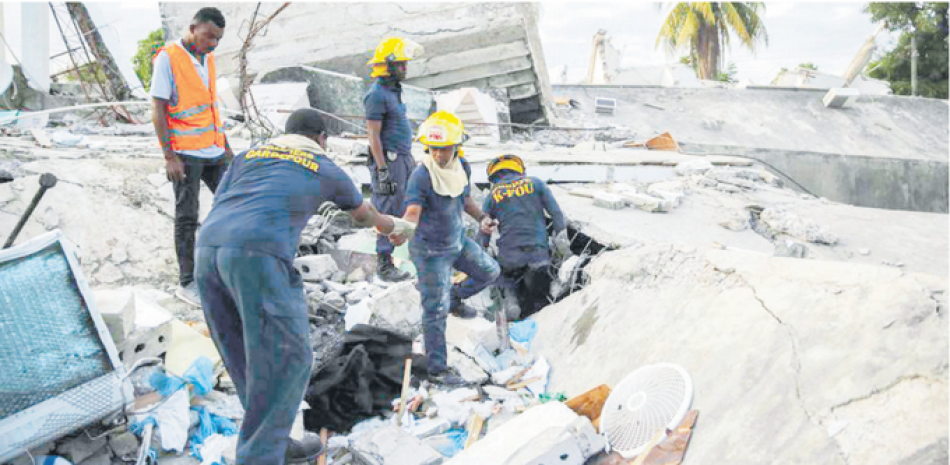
47, 180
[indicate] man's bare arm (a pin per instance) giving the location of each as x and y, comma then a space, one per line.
174, 167
374, 130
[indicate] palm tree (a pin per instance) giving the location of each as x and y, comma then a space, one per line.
705, 28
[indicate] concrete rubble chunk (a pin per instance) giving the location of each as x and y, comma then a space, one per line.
102, 457
397, 309
80, 448
790, 248
471, 332
647, 203
730, 188
152, 334
124, 443
333, 299
467, 368
117, 307
609, 201
687, 168
356, 296
780, 221
390, 445
518, 433
358, 275
332, 286
316, 267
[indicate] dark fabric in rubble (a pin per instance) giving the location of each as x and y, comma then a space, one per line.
359, 383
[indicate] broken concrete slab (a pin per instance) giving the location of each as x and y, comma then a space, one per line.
80, 448
391, 445
815, 336
609, 201
503, 443
779, 221
647, 203
691, 167
117, 307
397, 309
467, 368
471, 332
316, 267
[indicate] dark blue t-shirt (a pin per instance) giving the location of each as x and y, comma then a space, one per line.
383, 102
440, 226
267, 196
518, 203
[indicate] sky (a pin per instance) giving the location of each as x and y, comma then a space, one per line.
827, 34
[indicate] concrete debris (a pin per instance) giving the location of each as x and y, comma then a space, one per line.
117, 307
398, 309
730, 188
80, 448
790, 248
780, 221
609, 201
124, 443
391, 445
471, 332
864, 251
692, 167
649, 203
467, 368
316, 267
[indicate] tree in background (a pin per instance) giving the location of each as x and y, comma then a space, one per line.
704, 28
926, 23
142, 61
810, 66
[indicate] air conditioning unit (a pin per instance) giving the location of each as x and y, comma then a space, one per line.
59, 368
605, 105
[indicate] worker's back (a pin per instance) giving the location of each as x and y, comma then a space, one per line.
519, 204
268, 195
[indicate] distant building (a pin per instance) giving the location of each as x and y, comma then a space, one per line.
812, 79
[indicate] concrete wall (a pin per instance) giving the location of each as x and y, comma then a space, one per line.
466, 44
879, 182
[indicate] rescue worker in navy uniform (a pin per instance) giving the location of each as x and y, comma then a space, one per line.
437, 195
519, 204
253, 298
390, 141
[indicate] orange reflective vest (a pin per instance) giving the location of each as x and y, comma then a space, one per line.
194, 122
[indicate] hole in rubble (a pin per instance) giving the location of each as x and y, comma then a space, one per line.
139, 348
305, 268
564, 457
161, 339
568, 281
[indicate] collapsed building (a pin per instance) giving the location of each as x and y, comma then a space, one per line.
791, 257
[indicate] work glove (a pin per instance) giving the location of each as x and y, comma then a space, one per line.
384, 182
562, 244
402, 227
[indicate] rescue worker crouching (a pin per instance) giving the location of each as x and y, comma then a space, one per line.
390, 140
519, 203
437, 194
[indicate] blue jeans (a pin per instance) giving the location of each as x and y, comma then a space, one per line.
257, 315
399, 171
435, 287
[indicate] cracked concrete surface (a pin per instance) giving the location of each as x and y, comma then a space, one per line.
793, 361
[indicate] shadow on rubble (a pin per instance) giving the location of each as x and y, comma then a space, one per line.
568, 275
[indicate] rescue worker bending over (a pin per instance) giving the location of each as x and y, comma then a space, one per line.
437, 195
519, 203
253, 298
390, 140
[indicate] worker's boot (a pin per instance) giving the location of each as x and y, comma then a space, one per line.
458, 308
387, 271
304, 451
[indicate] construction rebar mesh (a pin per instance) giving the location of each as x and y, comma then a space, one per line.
48, 342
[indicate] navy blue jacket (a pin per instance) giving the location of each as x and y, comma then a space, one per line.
519, 203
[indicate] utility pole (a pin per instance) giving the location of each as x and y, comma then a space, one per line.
90, 34
913, 62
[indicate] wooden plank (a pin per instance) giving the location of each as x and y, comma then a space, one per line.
42, 139
405, 391
324, 437
591, 403
474, 429
673, 449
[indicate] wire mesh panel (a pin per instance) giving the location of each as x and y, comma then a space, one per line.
48, 341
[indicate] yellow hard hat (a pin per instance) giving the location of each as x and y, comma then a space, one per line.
442, 129
506, 162
395, 49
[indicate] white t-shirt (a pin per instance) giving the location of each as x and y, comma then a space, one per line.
163, 87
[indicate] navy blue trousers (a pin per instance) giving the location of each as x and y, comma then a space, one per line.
399, 171
435, 286
256, 311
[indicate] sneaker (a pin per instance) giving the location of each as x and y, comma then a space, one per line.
387, 271
447, 377
304, 451
189, 294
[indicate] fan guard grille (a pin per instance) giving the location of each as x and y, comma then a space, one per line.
652, 398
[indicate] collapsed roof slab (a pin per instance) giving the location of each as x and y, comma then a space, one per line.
878, 151
466, 44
